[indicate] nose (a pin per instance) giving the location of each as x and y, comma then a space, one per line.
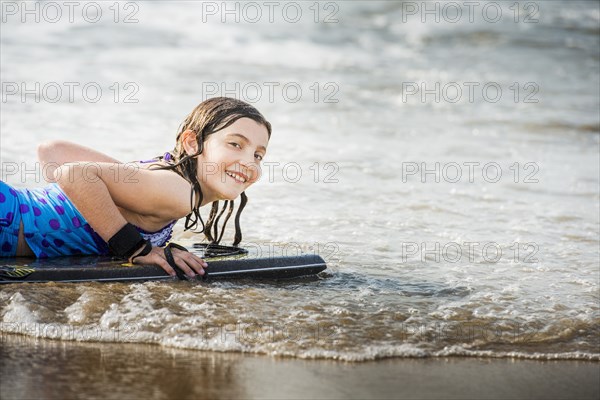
251, 167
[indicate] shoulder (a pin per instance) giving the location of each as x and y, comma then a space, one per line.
167, 191
172, 197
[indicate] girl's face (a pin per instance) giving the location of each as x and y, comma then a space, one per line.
230, 161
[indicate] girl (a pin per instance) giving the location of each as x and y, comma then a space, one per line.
98, 205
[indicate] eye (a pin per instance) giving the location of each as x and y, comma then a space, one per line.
258, 157
234, 144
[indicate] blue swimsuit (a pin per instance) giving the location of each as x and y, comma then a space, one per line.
52, 226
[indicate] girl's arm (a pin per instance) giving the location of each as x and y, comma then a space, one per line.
54, 153
98, 190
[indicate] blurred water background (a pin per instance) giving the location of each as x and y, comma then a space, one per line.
466, 224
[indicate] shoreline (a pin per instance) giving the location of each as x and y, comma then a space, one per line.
41, 368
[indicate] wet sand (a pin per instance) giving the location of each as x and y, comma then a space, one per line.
46, 369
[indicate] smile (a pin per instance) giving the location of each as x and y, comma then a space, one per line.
237, 176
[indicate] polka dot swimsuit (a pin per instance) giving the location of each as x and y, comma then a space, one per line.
52, 226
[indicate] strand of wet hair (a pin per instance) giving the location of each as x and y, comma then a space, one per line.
215, 224
212, 227
191, 220
226, 219
238, 231
209, 223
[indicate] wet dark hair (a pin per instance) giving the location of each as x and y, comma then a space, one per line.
208, 117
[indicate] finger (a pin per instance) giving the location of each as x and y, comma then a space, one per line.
201, 261
158, 257
181, 268
182, 265
154, 258
190, 257
187, 266
195, 262
165, 265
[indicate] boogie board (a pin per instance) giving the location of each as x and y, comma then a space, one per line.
221, 265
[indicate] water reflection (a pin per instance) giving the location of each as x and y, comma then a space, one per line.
53, 369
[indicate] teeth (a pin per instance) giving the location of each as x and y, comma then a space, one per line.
236, 177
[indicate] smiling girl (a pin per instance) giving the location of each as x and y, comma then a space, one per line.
98, 205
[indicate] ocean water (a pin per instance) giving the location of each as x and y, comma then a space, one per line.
448, 171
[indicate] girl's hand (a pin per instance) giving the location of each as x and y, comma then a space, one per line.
189, 263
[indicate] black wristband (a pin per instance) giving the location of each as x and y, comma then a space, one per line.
125, 242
